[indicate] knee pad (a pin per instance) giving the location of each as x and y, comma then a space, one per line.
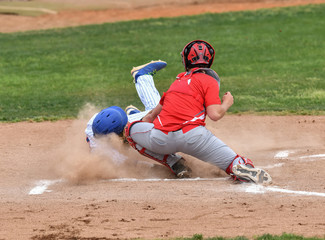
239, 160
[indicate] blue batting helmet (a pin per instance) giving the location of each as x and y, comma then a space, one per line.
109, 120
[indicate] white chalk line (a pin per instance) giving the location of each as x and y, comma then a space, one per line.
42, 186
272, 166
285, 155
45, 10
259, 189
164, 179
249, 188
313, 156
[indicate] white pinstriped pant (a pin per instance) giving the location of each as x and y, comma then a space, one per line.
147, 91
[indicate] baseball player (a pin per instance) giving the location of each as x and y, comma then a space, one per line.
114, 119
177, 123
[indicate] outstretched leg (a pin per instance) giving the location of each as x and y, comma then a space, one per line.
144, 83
204, 145
174, 162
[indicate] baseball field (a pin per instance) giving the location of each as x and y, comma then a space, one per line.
62, 61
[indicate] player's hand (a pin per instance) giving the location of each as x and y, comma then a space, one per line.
228, 99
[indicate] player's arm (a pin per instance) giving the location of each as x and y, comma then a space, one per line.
217, 111
90, 134
152, 114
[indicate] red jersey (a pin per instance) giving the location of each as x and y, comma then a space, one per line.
185, 102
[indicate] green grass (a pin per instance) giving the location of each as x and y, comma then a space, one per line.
284, 236
271, 60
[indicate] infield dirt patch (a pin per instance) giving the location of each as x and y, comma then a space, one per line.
132, 10
52, 188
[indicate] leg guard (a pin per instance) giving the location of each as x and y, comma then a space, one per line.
178, 168
127, 133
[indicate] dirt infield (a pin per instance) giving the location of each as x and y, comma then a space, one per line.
137, 9
52, 188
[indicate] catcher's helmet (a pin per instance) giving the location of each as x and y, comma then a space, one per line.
197, 53
109, 120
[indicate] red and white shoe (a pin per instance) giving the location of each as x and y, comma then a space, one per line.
246, 173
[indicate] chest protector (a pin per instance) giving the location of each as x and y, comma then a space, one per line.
209, 72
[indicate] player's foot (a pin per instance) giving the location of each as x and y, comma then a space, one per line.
181, 170
248, 174
131, 110
149, 68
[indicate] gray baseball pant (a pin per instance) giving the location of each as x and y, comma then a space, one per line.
198, 142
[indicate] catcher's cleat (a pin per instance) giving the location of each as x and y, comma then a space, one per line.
246, 173
131, 110
149, 68
181, 170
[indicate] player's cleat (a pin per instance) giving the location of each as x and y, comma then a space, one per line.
181, 170
149, 68
246, 173
131, 110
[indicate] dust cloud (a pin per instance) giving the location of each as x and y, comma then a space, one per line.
255, 137
113, 158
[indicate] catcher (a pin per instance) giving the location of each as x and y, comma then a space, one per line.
177, 123
114, 119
